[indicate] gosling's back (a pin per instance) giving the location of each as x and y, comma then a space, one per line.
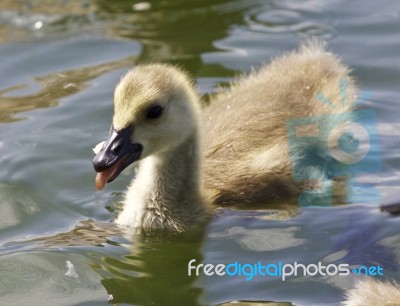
245, 142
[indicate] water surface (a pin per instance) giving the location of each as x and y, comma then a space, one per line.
60, 61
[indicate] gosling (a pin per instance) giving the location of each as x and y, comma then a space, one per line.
233, 151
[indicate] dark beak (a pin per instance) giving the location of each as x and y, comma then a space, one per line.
118, 153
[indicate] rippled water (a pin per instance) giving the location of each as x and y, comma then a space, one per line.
59, 63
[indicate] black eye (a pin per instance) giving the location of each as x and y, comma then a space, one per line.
154, 112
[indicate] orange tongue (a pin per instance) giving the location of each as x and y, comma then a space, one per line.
103, 177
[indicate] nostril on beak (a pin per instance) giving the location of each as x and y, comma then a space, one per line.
116, 148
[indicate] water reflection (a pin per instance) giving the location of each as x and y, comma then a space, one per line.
213, 40
152, 270
138, 270
85, 233
53, 87
173, 31
15, 205
259, 240
286, 18
154, 273
35, 278
159, 30
249, 303
167, 27
24, 20
351, 235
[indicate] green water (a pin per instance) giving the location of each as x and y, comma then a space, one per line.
60, 61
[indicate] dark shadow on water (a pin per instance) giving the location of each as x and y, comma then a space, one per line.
177, 31
155, 272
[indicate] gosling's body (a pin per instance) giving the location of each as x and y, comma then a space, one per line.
246, 146
233, 151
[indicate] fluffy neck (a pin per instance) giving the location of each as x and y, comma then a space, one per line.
166, 191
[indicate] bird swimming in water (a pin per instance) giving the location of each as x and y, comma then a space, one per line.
235, 150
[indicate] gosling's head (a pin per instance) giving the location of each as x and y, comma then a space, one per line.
155, 110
